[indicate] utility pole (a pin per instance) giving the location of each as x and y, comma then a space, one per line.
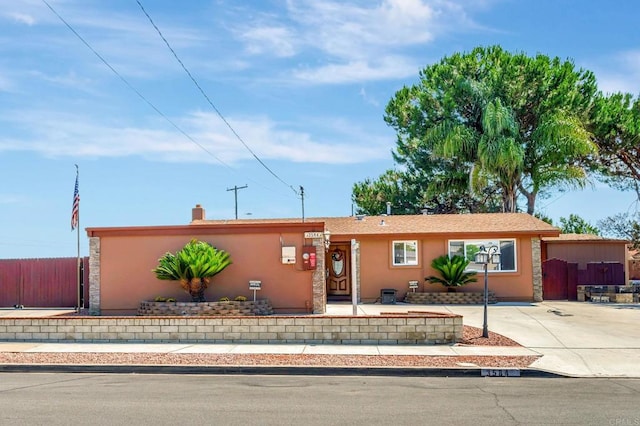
235, 190
302, 198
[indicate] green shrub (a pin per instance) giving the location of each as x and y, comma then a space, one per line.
240, 299
452, 271
193, 266
223, 299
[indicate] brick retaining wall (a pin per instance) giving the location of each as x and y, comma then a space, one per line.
416, 329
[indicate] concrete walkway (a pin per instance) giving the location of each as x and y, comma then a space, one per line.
576, 339
579, 339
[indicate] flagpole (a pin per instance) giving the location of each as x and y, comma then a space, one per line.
78, 278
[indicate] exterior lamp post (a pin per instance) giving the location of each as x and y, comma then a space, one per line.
483, 257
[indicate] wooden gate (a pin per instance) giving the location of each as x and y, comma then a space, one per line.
560, 279
554, 280
41, 283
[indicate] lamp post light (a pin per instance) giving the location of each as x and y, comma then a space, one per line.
483, 257
327, 239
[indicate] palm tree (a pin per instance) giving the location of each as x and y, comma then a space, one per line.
193, 266
492, 151
452, 271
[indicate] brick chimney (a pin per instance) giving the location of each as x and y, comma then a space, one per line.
197, 213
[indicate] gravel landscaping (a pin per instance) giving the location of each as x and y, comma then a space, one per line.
471, 336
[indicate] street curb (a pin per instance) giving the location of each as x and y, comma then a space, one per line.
281, 370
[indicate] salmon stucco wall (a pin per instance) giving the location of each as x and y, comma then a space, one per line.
377, 271
126, 263
583, 253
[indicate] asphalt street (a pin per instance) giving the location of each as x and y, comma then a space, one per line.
114, 399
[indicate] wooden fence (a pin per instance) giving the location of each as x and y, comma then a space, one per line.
561, 279
42, 283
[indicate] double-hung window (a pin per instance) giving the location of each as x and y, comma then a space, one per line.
468, 248
405, 253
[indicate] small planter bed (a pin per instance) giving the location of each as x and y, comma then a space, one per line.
224, 308
447, 298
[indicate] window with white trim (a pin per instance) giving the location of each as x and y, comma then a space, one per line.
405, 253
469, 248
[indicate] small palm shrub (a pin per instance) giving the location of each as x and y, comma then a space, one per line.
164, 299
452, 271
193, 266
223, 299
240, 299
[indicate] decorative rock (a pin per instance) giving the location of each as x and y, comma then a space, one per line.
449, 298
248, 308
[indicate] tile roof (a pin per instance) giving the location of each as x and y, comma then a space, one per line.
440, 224
519, 223
575, 238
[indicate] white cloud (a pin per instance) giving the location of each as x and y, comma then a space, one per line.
621, 73
22, 18
368, 98
356, 41
273, 40
11, 199
358, 71
65, 134
124, 39
5, 84
70, 80
344, 30
27, 12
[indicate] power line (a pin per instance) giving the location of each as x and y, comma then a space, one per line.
175, 55
140, 95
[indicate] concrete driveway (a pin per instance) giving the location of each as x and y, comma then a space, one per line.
576, 338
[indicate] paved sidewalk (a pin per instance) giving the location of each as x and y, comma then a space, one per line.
576, 339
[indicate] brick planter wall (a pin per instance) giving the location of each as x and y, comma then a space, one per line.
412, 329
449, 298
230, 308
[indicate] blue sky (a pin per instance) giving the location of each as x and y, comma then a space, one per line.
304, 83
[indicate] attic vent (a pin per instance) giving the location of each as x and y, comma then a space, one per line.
360, 216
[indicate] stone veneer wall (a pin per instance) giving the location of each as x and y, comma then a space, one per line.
536, 262
230, 308
94, 275
608, 293
418, 329
318, 279
449, 298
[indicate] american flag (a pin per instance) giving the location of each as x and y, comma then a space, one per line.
75, 211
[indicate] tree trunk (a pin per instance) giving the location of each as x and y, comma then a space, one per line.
509, 198
531, 199
196, 290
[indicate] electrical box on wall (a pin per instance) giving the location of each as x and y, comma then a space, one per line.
309, 257
288, 255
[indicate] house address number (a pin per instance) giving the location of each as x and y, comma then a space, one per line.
313, 234
490, 372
